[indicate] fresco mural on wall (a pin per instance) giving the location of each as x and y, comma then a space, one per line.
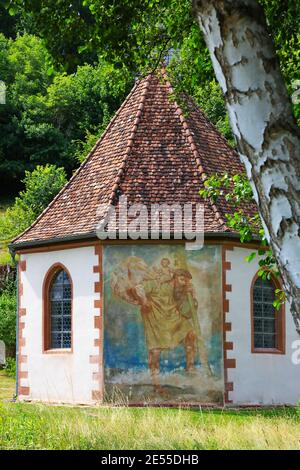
162, 324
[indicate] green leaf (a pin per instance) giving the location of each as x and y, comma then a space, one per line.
12, 11
250, 257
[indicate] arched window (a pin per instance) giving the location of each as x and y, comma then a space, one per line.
267, 322
58, 310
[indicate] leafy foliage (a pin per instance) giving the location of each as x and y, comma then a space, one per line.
237, 191
191, 72
53, 124
284, 21
10, 367
41, 185
82, 104
23, 67
130, 32
8, 307
48, 113
139, 31
52, 117
86, 146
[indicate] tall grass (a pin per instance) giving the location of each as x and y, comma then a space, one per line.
7, 386
25, 426
37, 426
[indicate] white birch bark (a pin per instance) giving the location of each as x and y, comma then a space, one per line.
266, 132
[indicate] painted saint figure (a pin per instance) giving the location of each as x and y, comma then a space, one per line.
168, 307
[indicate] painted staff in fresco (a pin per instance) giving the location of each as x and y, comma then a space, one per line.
168, 307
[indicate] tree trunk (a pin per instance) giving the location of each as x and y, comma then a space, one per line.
262, 121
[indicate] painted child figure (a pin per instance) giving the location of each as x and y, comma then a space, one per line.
164, 272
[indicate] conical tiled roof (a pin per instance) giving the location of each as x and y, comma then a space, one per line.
152, 153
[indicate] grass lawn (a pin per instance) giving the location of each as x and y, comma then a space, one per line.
37, 426
7, 387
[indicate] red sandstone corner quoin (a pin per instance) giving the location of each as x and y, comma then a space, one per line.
22, 359
227, 345
98, 377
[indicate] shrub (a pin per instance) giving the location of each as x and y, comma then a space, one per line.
7, 277
41, 185
10, 367
8, 305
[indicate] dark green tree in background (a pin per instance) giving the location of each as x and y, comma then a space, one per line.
49, 114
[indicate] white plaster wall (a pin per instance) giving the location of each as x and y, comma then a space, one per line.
60, 377
257, 378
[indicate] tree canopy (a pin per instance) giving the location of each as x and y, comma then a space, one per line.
139, 32
49, 114
68, 67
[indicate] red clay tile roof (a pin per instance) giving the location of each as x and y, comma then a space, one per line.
151, 153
